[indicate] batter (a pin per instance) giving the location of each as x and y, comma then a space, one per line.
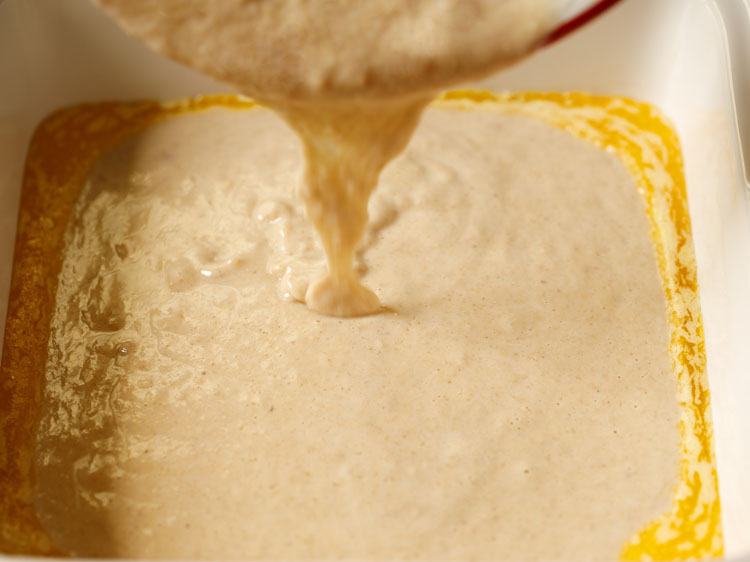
352, 78
514, 399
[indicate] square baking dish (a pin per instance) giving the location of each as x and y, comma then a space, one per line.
691, 58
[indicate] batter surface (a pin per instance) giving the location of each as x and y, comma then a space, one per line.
513, 401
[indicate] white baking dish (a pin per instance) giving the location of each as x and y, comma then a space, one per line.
674, 53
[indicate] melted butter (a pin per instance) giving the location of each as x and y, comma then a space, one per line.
113, 361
